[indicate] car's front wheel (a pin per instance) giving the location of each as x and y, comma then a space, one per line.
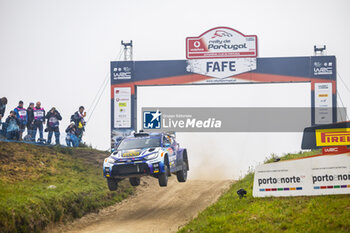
163, 177
135, 181
112, 184
182, 174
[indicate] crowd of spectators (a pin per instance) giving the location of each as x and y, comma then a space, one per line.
34, 118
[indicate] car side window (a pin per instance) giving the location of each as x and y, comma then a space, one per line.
171, 140
166, 140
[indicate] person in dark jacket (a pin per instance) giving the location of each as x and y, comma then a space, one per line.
30, 121
78, 119
12, 130
21, 114
71, 138
3, 102
39, 121
53, 117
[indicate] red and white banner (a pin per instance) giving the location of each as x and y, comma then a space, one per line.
221, 42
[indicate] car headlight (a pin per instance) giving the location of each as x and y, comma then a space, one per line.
152, 156
109, 160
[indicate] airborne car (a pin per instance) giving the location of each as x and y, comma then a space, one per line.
146, 154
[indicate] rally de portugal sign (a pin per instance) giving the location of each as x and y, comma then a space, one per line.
318, 175
221, 42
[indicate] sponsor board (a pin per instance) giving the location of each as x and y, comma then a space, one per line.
332, 137
221, 69
318, 175
323, 103
122, 107
221, 42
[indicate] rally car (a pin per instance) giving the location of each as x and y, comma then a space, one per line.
146, 154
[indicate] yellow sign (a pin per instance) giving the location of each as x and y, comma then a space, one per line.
333, 137
122, 104
131, 154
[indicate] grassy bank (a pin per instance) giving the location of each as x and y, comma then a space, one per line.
28, 204
287, 214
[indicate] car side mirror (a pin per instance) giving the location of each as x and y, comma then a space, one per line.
167, 144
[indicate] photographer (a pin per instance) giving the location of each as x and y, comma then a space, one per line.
12, 126
53, 117
78, 119
30, 122
39, 120
71, 138
21, 114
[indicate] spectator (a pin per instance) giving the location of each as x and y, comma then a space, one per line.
3, 102
71, 138
39, 121
79, 121
12, 126
53, 117
21, 114
30, 121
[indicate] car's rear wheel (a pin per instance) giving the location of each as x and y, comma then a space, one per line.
112, 184
182, 174
135, 181
163, 177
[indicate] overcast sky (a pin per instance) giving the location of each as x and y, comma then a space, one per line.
59, 51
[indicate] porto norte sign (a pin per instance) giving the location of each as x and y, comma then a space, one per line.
221, 42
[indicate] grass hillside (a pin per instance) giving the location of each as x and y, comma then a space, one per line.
27, 204
282, 214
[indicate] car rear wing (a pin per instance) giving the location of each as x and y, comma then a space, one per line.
141, 133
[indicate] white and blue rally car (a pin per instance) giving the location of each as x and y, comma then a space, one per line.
146, 154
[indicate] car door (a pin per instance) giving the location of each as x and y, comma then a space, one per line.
167, 141
178, 160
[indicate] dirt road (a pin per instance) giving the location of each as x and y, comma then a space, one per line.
152, 208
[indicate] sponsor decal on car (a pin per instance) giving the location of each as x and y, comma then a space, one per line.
131, 154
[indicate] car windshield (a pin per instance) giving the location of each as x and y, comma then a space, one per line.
139, 143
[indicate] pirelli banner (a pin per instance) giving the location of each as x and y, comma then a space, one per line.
333, 137
330, 135
324, 174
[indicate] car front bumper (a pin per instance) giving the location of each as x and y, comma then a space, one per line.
124, 169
